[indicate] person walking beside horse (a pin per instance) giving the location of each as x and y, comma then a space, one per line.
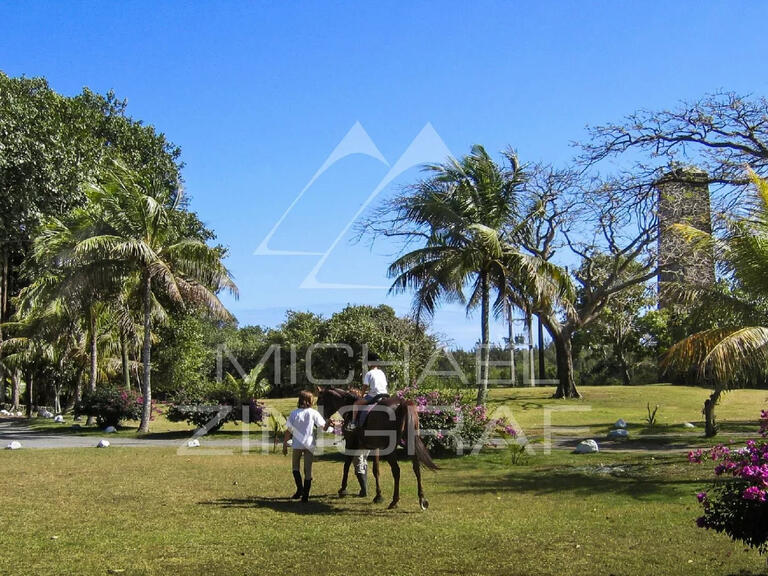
300, 426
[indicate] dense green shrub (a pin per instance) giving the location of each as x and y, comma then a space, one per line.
110, 405
215, 404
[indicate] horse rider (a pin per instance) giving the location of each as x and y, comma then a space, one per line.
375, 381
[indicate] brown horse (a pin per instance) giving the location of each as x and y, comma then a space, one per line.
390, 423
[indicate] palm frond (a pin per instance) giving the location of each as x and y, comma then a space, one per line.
722, 355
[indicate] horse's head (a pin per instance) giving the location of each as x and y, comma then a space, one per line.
330, 399
326, 402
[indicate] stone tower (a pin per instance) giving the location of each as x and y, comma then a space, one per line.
683, 199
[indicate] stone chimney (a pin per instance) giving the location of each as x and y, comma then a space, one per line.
683, 199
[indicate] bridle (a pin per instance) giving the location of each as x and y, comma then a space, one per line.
342, 398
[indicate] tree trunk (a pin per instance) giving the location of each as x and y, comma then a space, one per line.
57, 400
511, 326
30, 394
15, 391
710, 425
626, 375
94, 361
619, 354
146, 388
79, 385
78, 395
531, 368
4, 284
542, 374
124, 357
485, 311
566, 386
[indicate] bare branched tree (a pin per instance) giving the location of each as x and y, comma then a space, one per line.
612, 232
721, 134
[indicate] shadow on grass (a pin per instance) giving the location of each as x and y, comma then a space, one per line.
638, 481
738, 426
278, 504
323, 504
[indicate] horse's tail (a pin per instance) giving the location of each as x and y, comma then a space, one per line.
412, 432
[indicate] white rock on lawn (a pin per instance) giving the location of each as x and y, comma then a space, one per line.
688, 425
587, 447
193, 443
618, 434
19, 414
15, 445
110, 429
5, 413
59, 419
620, 423
103, 444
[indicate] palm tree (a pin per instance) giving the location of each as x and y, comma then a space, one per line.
466, 212
136, 224
71, 285
728, 355
49, 335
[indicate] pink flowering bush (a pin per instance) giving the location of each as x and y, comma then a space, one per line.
736, 505
450, 421
110, 405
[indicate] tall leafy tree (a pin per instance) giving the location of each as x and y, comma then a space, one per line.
128, 247
399, 340
463, 216
137, 223
49, 146
64, 280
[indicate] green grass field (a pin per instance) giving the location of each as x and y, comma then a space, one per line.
738, 412
601, 406
146, 511
151, 511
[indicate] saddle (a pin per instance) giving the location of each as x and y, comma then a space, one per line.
353, 431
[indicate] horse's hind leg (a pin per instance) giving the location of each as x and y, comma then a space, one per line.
392, 458
377, 499
423, 502
345, 477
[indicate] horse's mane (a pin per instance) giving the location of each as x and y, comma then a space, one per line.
349, 394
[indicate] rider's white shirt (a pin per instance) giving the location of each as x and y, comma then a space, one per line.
376, 381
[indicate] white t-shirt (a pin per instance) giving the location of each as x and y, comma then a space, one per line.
301, 422
376, 381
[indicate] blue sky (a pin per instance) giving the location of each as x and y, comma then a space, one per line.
259, 95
